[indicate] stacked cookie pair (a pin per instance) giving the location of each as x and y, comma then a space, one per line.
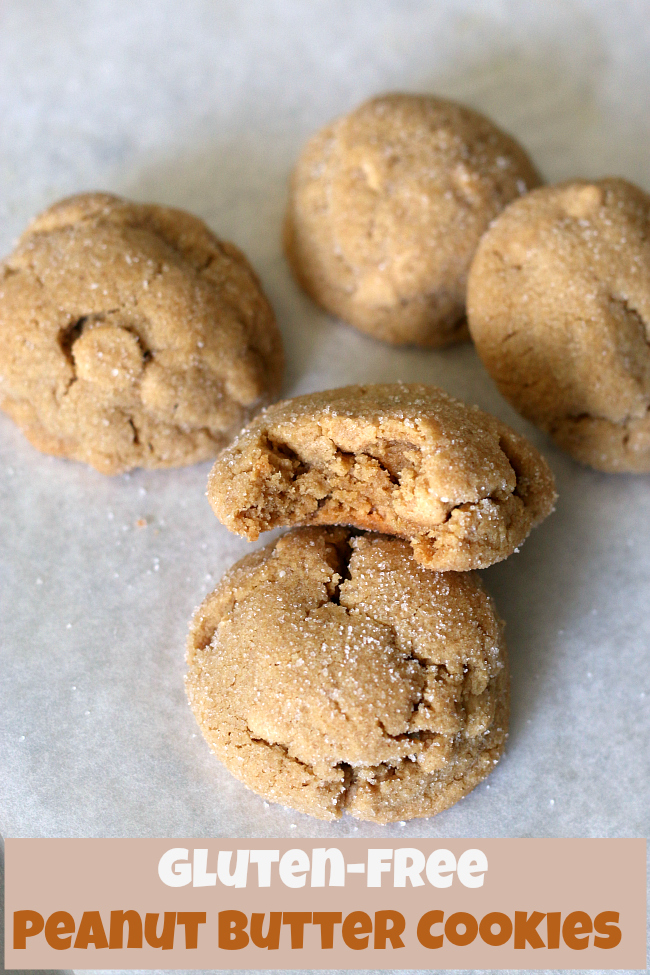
356, 664
359, 666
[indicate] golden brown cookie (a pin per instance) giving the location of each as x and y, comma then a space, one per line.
386, 207
332, 673
130, 336
407, 460
559, 309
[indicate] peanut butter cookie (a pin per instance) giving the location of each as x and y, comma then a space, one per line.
387, 206
407, 460
130, 336
332, 673
559, 309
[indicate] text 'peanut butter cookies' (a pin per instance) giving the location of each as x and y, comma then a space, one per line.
407, 460
332, 673
559, 309
130, 336
386, 208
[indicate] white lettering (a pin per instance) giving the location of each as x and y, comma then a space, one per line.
440, 868
201, 877
172, 870
264, 859
238, 878
293, 867
333, 856
409, 864
472, 865
378, 863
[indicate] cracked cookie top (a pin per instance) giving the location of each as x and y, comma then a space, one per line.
386, 207
559, 309
408, 460
130, 336
332, 673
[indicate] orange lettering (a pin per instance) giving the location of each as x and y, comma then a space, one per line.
606, 923
327, 920
384, 932
526, 929
91, 931
553, 929
297, 921
576, 930
57, 926
26, 925
470, 924
502, 935
425, 924
166, 939
191, 920
116, 930
272, 938
356, 928
232, 930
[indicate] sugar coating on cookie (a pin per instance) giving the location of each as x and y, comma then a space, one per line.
332, 673
387, 206
130, 336
407, 460
559, 309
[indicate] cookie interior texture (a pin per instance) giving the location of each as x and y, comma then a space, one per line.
408, 460
559, 309
131, 336
332, 673
387, 206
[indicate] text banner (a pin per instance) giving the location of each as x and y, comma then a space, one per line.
350, 904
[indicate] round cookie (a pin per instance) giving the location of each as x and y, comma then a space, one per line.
130, 336
407, 460
387, 206
559, 309
332, 673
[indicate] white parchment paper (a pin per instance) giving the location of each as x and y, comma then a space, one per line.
204, 105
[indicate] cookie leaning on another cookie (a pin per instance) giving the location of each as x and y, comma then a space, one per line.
386, 207
407, 460
332, 673
559, 309
130, 336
